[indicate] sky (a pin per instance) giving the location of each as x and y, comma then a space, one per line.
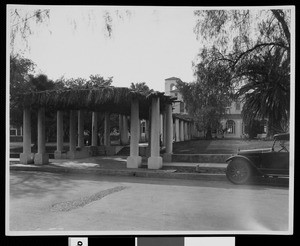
148, 45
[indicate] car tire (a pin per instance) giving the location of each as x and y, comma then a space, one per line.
238, 171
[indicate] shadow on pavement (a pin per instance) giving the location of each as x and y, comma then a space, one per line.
36, 183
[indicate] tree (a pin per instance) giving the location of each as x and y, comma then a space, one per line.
98, 81
20, 71
255, 47
24, 21
267, 92
239, 33
94, 81
141, 87
207, 98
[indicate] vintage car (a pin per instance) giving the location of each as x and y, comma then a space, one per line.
271, 162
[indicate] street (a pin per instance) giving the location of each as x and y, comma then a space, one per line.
41, 201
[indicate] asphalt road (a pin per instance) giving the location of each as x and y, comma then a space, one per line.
53, 202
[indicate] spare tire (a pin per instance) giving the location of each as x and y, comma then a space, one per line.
238, 171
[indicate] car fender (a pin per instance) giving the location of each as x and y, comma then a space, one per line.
244, 158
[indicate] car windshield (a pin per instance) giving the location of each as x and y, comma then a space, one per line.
281, 143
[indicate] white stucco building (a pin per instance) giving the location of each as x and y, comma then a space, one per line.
233, 121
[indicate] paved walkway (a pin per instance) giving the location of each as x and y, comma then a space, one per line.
116, 165
119, 161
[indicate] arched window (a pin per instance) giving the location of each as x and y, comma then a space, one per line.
230, 125
172, 87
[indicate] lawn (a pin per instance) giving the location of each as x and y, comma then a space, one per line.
223, 146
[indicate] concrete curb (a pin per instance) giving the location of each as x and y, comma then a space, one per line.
138, 172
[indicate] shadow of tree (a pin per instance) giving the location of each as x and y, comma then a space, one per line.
36, 184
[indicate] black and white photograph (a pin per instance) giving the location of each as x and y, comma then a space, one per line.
149, 120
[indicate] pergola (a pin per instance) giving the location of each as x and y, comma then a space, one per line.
123, 101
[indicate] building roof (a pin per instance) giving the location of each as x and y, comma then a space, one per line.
103, 99
173, 78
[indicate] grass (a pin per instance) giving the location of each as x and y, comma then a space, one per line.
224, 146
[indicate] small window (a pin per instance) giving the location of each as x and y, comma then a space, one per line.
238, 106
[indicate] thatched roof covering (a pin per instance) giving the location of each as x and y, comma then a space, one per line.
102, 99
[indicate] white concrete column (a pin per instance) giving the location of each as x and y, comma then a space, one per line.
94, 128
59, 135
41, 157
80, 128
26, 157
124, 135
155, 161
169, 133
72, 131
164, 134
177, 129
107, 129
181, 133
134, 160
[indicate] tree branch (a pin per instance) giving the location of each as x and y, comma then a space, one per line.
280, 17
256, 47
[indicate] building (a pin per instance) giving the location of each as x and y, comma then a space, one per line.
232, 123
16, 134
171, 89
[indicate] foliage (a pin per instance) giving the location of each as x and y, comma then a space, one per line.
22, 23
267, 93
25, 21
239, 32
95, 81
253, 128
207, 98
141, 87
20, 71
255, 46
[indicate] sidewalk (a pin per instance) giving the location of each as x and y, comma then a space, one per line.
116, 165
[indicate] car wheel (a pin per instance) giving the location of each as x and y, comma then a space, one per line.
238, 171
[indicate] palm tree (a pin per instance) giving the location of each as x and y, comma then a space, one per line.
267, 91
141, 87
